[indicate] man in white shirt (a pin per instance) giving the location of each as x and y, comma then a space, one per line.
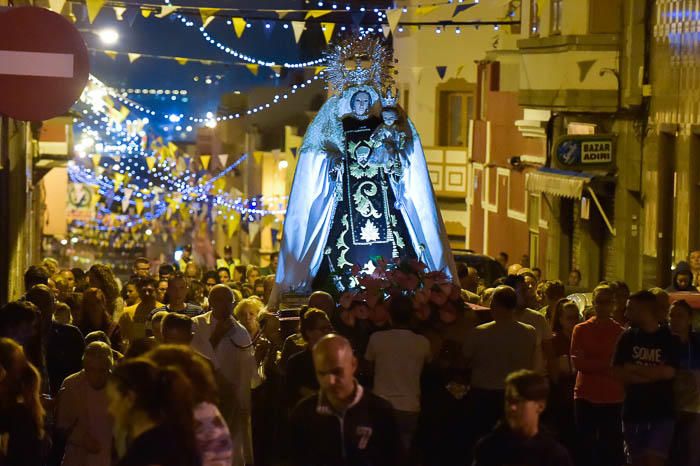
398, 356
227, 344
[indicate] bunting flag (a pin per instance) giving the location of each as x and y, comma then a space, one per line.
133, 57
139, 206
460, 68
316, 13
208, 15
392, 17
253, 68
356, 17
79, 11
386, 30
146, 12
181, 60
298, 28
232, 224
96, 159
257, 155
318, 69
327, 29
462, 7
223, 159
424, 10
165, 10
111, 54
294, 150
126, 198
277, 69
205, 161
220, 185
239, 26
93, 8
441, 70
130, 15
56, 5
151, 162
282, 13
119, 12
173, 147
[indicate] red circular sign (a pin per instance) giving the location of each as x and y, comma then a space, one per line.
43, 64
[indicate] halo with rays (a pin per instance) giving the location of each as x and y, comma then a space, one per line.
369, 59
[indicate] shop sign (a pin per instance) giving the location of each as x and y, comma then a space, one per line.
578, 151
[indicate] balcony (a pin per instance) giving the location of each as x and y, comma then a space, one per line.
447, 167
572, 73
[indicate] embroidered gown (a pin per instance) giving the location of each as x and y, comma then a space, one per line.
366, 224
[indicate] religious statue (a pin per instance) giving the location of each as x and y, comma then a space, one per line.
361, 192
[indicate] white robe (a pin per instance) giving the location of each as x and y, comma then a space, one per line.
312, 200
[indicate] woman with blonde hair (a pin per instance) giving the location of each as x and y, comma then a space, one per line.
21, 412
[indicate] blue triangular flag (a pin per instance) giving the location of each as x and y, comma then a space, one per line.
357, 17
130, 15
441, 71
461, 7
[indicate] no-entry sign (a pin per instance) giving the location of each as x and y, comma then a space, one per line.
43, 64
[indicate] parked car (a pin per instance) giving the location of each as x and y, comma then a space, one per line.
489, 269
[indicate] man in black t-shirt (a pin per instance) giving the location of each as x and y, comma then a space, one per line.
646, 359
518, 440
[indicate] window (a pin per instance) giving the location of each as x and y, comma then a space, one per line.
456, 109
555, 17
534, 18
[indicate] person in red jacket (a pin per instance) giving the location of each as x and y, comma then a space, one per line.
598, 394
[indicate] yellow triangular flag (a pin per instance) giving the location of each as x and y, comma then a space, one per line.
205, 161
166, 10
111, 54
257, 155
206, 62
208, 15
119, 12
133, 57
282, 13
327, 31
146, 12
424, 10
392, 17
386, 30
459, 70
253, 68
151, 162
96, 159
316, 13
93, 8
139, 205
173, 147
276, 68
298, 28
181, 60
239, 26
56, 5
318, 69
232, 224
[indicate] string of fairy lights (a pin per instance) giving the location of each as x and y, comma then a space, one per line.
113, 157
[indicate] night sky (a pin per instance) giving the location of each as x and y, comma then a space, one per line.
170, 37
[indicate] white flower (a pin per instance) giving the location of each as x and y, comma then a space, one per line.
369, 232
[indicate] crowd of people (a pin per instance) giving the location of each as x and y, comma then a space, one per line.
185, 368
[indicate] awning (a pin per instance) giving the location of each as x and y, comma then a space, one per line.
557, 182
565, 184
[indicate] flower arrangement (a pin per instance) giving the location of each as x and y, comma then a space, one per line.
408, 277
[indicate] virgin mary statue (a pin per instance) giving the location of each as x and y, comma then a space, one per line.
361, 190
